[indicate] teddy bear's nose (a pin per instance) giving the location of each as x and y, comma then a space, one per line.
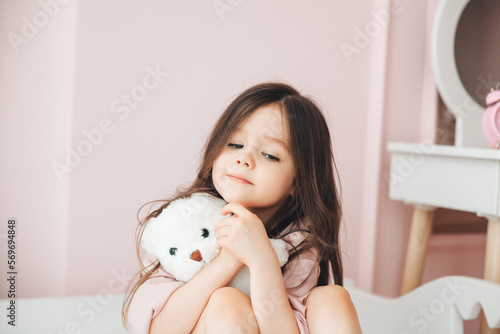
196, 256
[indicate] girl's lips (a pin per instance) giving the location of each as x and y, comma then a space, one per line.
238, 179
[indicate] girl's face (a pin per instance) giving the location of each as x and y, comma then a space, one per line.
256, 167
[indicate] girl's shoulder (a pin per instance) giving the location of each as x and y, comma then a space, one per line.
296, 233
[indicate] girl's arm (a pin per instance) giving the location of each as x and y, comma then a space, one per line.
184, 307
245, 236
269, 298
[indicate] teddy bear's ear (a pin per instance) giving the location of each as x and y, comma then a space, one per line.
201, 201
146, 239
200, 194
150, 236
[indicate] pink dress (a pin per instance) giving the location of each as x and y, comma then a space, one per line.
154, 293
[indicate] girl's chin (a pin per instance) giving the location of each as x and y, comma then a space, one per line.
234, 198
237, 198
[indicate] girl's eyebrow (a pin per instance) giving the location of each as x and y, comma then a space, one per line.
278, 141
267, 137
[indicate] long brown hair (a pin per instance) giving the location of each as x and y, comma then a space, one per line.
316, 195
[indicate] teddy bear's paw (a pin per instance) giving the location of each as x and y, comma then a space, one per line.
280, 249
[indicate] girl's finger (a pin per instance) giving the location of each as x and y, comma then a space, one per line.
223, 241
226, 221
235, 208
221, 232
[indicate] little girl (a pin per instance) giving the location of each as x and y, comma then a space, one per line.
269, 156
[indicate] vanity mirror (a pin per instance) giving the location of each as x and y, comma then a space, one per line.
465, 53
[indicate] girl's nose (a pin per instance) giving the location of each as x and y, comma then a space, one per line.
245, 159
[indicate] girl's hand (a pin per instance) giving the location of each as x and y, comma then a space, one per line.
244, 235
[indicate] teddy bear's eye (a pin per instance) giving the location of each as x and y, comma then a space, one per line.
205, 233
173, 250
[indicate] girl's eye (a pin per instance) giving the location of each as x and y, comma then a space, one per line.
271, 157
268, 156
205, 233
172, 251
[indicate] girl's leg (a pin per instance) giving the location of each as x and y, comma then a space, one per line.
229, 311
329, 309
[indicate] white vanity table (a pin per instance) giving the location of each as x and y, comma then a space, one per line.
435, 176
464, 177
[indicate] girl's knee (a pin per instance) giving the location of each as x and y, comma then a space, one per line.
331, 306
229, 311
228, 295
328, 298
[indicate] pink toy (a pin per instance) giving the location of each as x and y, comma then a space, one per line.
491, 119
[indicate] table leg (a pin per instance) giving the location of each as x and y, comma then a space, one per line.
421, 229
491, 265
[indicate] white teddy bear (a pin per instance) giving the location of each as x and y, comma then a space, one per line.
182, 237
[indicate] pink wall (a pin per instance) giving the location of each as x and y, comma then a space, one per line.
77, 234
36, 99
76, 231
